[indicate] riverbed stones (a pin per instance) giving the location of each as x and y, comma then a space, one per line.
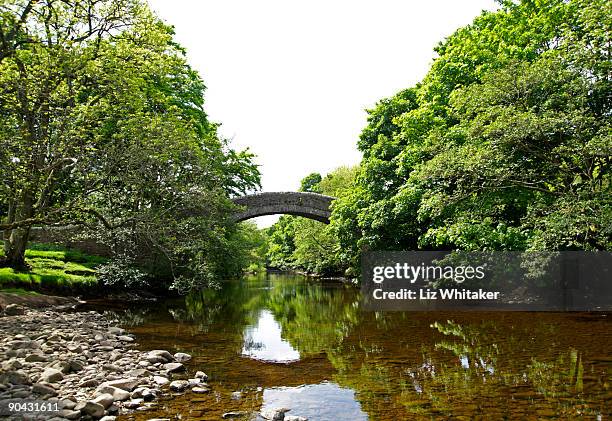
198, 389
295, 418
201, 375
79, 361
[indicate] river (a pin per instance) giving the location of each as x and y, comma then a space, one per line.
284, 340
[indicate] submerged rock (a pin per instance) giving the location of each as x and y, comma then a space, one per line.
181, 357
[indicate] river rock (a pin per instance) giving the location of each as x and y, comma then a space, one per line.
114, 330
201, 375
15, 377
36, 358
159, 356
12, 364
179, 385
70, 414
51, 375
67, 404
89, 383
295, 418
198, 389
112, 368
133, 404
234, 414
14, 310
105, 399
128, 384
24, 344
117, 393
274, 414
160, 380
93, 409
125, 338
108, 418
43, 389
174, 367
181, 357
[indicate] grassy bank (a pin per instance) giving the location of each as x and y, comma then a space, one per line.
53, 268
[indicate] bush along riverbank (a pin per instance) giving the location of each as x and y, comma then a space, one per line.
83, 363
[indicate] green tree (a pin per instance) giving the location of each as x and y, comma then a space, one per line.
505, 144
309, 183
103, 127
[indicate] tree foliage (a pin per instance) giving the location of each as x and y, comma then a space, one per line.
103, 127
504, 145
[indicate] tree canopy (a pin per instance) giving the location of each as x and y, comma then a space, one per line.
103, 126
504, 145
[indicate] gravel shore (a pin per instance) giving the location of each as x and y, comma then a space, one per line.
83, 362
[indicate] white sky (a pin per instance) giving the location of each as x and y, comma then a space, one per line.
291, 79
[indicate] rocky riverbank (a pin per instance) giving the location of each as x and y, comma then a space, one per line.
84, 364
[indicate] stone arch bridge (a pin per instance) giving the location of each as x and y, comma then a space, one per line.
309, 205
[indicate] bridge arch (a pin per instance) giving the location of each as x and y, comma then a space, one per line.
309, 205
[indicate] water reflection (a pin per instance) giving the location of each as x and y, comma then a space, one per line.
387, 366
316, 401
264, 342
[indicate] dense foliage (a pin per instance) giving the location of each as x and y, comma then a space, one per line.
505, 145
103, 127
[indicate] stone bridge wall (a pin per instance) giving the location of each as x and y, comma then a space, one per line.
310, 205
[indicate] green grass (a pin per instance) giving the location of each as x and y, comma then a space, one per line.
18, 291
51, 267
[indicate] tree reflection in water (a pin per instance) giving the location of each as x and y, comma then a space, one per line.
391, 365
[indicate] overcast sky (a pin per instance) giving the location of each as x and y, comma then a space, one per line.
291, 79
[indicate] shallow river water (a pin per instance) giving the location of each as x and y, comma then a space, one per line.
283, 340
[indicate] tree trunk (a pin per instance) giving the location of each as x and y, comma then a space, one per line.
16, 240
14, 249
